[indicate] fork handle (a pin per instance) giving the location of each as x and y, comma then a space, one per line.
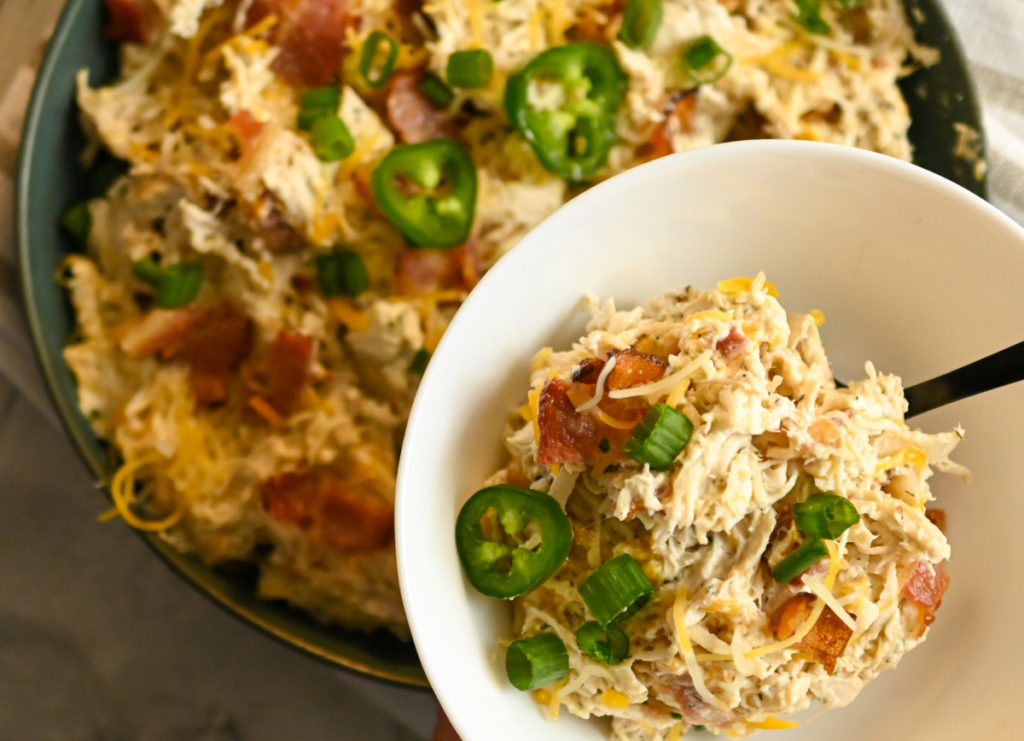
991, 372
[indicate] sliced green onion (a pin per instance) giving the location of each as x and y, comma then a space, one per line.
659, 437
825, 516
419, 361
808, 15
470, 68
616, 590
435, 90
704, 61
607, 645
148, 271
77, 221
377, 58
536, 662
804, 557
179, 285
640, 22
604, 446
317, 103
331, 139
342, 273
328, 96
851, 3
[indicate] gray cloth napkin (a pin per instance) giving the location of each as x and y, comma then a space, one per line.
98, 640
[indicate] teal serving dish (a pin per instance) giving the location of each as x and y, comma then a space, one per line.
50, 178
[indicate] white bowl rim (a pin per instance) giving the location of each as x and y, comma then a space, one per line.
526, 250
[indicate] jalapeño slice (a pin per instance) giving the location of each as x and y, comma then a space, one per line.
510, 540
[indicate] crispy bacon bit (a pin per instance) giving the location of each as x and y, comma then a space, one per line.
278, 235
318, 502
596, 22
925, 586
750, 124
733, 344
468, 263
677, 691
311, 35
423, 271
679, 117
288, 369
937, 517
129, 20
215, 345
826, 640
411, 115
159, 332
587, 371
634, 368
566, 436
247, 129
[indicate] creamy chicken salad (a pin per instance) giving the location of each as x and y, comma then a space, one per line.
699, 528
312, 188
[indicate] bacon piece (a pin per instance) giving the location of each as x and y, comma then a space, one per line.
411, 115
937, 517
129, 20
677, 691
733, 344
924, 587
423, 271
160, 332
679, 116
215, 345
827, 638
587, 371
311, 35
596, 22
343, 517
288, 369
245, 126
566, 436
468, 264
634, 368
214, 341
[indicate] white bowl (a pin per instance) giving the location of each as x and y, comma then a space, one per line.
913, 273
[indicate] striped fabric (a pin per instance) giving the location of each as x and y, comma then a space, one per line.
992, 32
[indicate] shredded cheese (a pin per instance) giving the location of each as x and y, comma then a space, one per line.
743, 285
908, 456
771, 723
618, 424
710, 314
686, 649
678, 394
835, 558
615, 699
533, 400
666, 384
549, 696
829, 599
599, 391
122, 491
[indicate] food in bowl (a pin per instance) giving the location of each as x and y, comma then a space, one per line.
699, 527
313, 187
